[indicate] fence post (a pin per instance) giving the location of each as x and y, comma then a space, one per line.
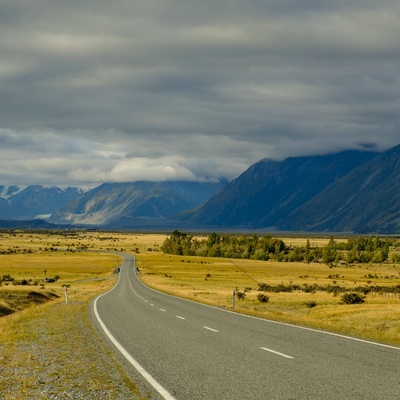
66, 294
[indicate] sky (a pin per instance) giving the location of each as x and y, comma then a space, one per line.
95, 91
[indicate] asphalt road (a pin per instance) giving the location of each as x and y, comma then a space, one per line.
179, 349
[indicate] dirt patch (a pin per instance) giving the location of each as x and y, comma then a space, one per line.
16, 300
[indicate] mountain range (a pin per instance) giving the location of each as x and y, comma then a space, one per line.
350, 191
366, 200
264, 195
29, 202
133, 204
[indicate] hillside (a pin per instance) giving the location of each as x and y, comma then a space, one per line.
365, 201
145, 203
268, 191
18, 203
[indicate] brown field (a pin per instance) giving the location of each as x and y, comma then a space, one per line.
34, 256
212, 281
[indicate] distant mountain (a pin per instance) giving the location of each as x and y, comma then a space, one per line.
265, 194
135, 203
351, 191
28, 202
366, 200
31, 224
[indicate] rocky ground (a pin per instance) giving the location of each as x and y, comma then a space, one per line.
53, 352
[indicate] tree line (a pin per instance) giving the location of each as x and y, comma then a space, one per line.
354, 250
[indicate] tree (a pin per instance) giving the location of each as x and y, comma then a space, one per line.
178, 243
213, 239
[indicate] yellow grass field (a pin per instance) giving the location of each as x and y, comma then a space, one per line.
34, 256
213, 280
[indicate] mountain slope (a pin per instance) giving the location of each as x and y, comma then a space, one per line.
121, 204
29, 202
269, 190
365, 201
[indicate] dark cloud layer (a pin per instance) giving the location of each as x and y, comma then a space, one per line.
170, 89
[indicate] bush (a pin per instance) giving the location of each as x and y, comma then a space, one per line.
240, 295
263, 298
311, 304
352, 298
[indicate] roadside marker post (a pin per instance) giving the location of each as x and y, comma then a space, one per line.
66, 294
233, 298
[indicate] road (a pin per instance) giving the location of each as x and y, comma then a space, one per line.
185, 350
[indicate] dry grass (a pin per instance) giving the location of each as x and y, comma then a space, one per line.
209, 280
212, 281
52, 351
28, 337
39, 344
314, 241
30, 258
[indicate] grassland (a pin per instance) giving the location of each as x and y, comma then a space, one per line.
213, 280
76, 259
42, 336
49, 349
33, 256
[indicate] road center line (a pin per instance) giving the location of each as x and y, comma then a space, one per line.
161, 309
277, 352
210, 329
178, 316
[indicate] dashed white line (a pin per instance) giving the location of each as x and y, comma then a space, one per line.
210, 329
277, 352
161, 309
178, 316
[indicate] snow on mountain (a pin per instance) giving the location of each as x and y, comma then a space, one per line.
27, 202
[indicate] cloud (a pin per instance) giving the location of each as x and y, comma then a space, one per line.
183, 90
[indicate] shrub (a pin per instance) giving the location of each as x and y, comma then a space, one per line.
240, 295
311, 304
264, 287
352, 298
263, 298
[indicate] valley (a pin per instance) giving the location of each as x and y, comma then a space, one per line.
308, 294
39, 328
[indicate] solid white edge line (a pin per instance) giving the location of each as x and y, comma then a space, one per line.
388, 346
160, 389
276, 352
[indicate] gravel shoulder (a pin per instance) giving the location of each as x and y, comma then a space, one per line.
52, 351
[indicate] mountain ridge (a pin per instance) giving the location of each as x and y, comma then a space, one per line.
28, 202
365, 200
118, 204
353, 191
269, 190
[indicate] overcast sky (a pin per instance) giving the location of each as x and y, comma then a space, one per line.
96, 91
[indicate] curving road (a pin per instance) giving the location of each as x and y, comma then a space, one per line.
179, 349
